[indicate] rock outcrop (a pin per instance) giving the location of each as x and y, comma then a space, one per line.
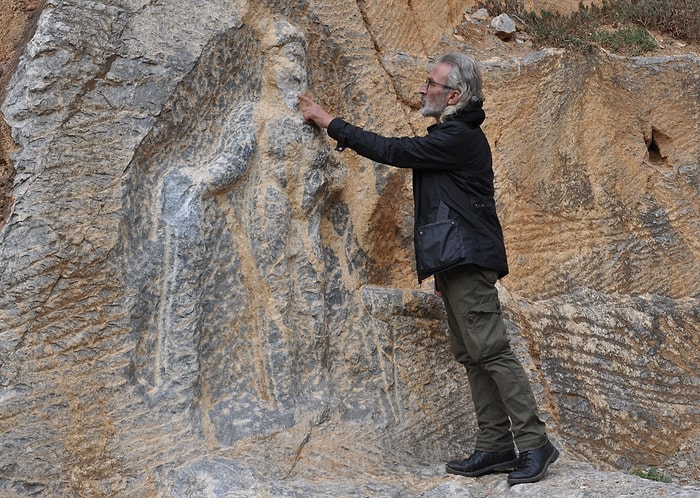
200, 297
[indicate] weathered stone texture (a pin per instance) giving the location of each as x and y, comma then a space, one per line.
200, 297
609, 182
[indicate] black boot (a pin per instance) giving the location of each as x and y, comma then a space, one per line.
483, 462
532, 465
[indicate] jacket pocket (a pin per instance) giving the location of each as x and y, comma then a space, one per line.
438, 246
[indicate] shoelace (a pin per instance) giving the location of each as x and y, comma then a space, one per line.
523, 459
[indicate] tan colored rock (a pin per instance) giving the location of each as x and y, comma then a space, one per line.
611, 174
200, 297
561, 6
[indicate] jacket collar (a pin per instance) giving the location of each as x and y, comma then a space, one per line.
473, 115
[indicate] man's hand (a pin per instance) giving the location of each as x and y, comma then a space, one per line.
314, 113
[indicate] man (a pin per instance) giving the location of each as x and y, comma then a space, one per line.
458, 239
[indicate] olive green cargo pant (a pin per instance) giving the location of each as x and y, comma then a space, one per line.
505, 406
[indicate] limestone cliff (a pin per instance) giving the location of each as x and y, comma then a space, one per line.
200, 297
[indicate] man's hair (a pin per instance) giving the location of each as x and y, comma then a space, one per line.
464, 76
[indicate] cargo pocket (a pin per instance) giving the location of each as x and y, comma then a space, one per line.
486, 331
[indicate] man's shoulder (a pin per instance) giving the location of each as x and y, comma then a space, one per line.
453, 127
451, 124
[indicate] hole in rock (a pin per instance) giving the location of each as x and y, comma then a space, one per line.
655, 147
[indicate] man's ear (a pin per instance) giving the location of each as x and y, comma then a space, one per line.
454, 97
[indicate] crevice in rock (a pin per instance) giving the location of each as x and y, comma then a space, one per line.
7, 173
378, 51
389, 239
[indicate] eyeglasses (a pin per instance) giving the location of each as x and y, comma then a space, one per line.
430, 81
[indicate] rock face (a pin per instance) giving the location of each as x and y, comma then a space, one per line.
200, 297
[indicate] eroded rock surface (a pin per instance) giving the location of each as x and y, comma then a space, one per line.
200, 297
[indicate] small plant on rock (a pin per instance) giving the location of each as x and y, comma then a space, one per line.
627, 40
652, 473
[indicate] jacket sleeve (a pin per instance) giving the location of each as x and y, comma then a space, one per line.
442, 148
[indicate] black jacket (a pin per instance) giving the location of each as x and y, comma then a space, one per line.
452, 167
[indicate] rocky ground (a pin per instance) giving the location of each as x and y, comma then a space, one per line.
566, 479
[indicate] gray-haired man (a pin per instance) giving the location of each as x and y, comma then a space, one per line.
458, 239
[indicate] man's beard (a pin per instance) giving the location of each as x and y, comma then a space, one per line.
431, 111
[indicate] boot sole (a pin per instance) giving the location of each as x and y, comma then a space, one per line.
526, 480
499, 467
